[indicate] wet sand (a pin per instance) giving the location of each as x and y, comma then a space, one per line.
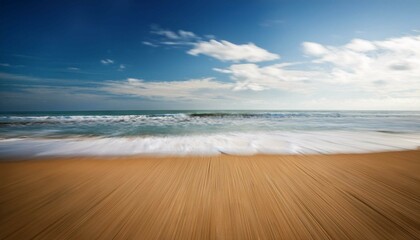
355, 196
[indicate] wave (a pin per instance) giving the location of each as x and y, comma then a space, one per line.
28, 120
7, 120
324, 142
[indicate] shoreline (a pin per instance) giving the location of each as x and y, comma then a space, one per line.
133, 157
356, 196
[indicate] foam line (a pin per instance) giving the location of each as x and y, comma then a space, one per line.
324, 142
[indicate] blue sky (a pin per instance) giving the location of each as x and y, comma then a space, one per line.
96, 55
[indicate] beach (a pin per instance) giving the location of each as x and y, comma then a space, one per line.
224, 120
336, 196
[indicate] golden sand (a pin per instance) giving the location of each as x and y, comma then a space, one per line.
363, 196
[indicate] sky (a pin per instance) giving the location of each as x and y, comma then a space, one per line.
262, 54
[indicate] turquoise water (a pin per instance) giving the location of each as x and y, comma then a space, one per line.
163, 123
206, 132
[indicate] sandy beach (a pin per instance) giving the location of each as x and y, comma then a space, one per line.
353, 196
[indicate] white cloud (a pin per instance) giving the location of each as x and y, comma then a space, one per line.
166, 33
227, 51
186, 34
149, 44
181, 34
73, 68
379, 67
222, 50
173, 43
360, 45
187, 89
277, 76
360, 74
122, 67
180, 37
5, 65
107, 61
314, 49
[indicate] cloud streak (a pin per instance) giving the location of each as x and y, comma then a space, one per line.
147, 43
219, 49
170, 38
227, 51
186, 89
107, 61
179, 35
250, 76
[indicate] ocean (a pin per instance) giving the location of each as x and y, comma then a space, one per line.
206, 132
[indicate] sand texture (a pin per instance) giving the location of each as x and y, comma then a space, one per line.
359, 196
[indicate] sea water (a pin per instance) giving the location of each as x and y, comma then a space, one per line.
206, 132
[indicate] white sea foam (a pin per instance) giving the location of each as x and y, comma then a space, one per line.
303, 142
89, 118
